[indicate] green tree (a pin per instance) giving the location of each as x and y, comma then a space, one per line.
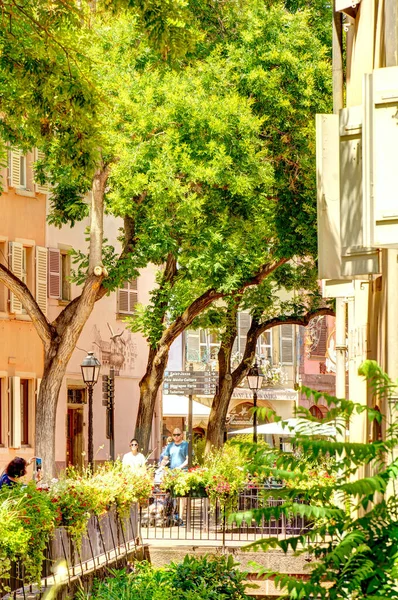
60, 99
267, 310
272, 58
354, 519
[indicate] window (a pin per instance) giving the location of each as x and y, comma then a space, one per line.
65, 275
127, 298
208, 345
76, 396
24, 412
264, 346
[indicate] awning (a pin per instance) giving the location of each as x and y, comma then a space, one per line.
291, 427
177, 406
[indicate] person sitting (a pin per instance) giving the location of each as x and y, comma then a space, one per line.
14, 471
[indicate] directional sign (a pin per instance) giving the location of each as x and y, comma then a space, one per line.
190, 382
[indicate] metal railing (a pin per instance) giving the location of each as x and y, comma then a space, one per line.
108, 540
193, 519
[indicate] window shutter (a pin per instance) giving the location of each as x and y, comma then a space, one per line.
15, 166
54, 273
43, 189
16, 262
127, 297
287, 344
320, 348
15, 412
192, 346
41, 278
244, 325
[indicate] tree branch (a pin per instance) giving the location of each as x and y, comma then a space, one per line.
210, 296
257, 328
22, 292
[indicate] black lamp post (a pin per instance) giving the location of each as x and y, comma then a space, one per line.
90, 370
254, 381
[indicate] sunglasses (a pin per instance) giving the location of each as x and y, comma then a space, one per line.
133, 444
177, 434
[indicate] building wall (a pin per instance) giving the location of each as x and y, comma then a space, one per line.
23, 216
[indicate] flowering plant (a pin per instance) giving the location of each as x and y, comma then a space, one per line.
182, 483
27, 518
227, 475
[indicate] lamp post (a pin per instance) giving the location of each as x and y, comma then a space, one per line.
90, 370
254, 381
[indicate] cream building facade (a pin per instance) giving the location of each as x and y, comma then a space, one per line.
358, 199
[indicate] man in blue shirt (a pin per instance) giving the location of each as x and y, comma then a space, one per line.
177, 451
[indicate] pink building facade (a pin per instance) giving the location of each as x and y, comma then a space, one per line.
317, 361
105, 334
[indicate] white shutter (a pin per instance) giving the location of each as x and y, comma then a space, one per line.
244, 325
127, 297
43, 189
41, 278
328, 196
54, 273
15, 412
192, 345
358, 257
381, 143
16, 265
15, 167
286, 344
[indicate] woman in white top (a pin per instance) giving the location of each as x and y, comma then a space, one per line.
134, 459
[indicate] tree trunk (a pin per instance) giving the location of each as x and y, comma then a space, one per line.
218, 414
149, 388
157, 359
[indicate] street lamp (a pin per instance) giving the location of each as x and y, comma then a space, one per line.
254, 381
90, 370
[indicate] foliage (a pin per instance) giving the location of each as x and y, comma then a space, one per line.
79, 495
27, 519
29, 516
223, 475
353, 540
204, 578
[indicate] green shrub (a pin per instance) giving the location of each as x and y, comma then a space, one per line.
204, 578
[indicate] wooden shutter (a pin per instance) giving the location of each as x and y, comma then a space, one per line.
54, 273
43, 189
15, 168
16, 265
41, 278
15, 412
287, 344
244, 325
127, 297
192, 345
320, 348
